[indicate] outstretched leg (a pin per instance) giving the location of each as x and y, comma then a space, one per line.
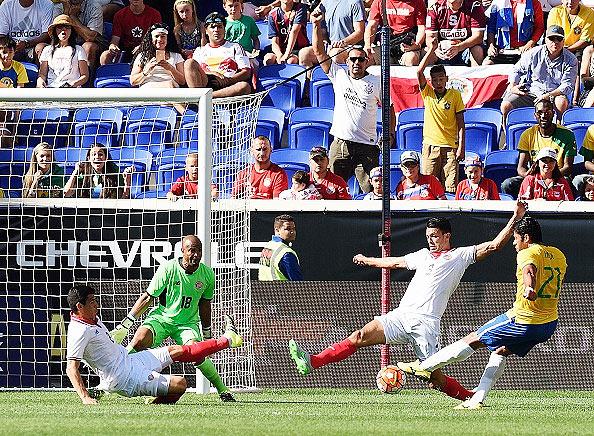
493, 371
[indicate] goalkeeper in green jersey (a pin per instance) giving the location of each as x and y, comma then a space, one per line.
185, 288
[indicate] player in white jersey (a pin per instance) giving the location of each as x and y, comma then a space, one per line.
416, 320
129, 375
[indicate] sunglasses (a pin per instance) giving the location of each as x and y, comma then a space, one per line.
357, 58
556, 38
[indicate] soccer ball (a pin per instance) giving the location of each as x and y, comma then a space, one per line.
390, 380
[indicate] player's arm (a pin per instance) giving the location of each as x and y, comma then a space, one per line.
73, 373
529, 279
487, 248
121, 331
380, 262
205, 311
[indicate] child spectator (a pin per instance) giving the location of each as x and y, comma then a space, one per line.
44, 178
414, 185
98, 176
544, 180
476, 187
242, 29
186, 186
377, 188
301, 188
588, 192
63, 63
287, 31
12, 73
188, 30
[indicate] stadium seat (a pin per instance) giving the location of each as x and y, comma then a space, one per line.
113, 76
321, 91
69, 156
354, 188
506, 197
150, 127
518, 120
578, 120
13, 166
113, 82
394, 157
38, 125
292, 156
265, 42
395, 177
409, 129
291, 168
32, 73
309, 31
500, 165
225, 175
285, 84
483, 127
107, 30
142, 160
97, 125
310, 127
271, 123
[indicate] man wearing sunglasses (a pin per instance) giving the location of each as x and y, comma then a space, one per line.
546, 72
357, 96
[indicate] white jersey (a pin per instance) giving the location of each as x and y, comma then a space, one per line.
435, 279
355, 107
92, 344
226, 59
25, 24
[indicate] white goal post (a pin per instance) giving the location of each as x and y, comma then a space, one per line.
115, 244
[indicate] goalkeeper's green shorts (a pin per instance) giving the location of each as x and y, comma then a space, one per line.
164, 327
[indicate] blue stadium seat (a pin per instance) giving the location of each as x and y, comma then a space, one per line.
97, 125
69, 156
13, 166
292, 156
113, 82
224, 176
309, 30
506, 197
32, 73
284, 71
395, 177
285, 96
142, 160
394, 157
321, 94
409, 129
271, 123
265, 42
517, 121
150, 127
37, 125
354, 188
578, 120
291, 168
500, 165
310, 127
483, 127
113, 76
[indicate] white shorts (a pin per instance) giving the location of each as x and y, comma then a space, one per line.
419, 331
145, 376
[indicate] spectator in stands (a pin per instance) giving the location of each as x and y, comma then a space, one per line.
220, 64
443, 127
414, 185
242, 29
354, 150
377, 191
406, 19
99, 177
585, 96
547, 5
301, 188
331, 186
26, 21
186, 186
457, 28
262, 179
287, 32
87, 16
63, 63
577, 22
278, 261
12, 73
129, 26
189, 30
543, 72
586, 150
44, 178
507, 40
475, 186
587, 192
545, 134
110, 7
544, 181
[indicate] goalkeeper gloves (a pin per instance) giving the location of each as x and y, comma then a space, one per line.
121, 331
206, 333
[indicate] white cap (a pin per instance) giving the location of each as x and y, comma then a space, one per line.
547, 152
409, 156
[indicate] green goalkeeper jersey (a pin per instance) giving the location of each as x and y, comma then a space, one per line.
179, 292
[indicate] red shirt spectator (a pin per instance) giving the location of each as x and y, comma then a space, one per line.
403, 15
130, 27
279, 25
534, 187
331, 187
456, 25
426, 188
184, 187
265, 184
486, 190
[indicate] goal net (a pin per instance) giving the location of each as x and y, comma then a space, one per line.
111, 230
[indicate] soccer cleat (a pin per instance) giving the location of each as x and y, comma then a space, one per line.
227, 397
300, 357
468, 405
414, 368
235, 340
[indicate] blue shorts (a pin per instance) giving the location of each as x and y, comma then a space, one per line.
517, 338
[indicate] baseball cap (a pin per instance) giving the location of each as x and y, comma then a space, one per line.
546, 152
473, 162
318, 152
215, 17
555, 30
375, 173
409, 156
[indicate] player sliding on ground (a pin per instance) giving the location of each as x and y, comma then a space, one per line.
531, 320
416, 320
129, 375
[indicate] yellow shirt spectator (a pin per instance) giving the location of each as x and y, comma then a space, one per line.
440, 126
587, 149
562, 141
580, 27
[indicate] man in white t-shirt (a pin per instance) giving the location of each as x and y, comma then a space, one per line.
220, 64
357, 95
129, 375
416, 320
26, 21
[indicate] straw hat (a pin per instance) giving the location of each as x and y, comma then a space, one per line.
62, 19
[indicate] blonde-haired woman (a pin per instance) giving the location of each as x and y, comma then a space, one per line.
188, 29
44, 178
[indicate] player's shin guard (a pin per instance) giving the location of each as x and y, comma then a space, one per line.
334, 353
210, 372
454, 389
456, 352
198, 351
492, 372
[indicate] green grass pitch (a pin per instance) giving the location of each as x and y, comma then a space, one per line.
301, 412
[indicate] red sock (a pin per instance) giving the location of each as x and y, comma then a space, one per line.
200, 350
334, 353
454, 389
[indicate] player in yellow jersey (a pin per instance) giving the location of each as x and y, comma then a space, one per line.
531, 320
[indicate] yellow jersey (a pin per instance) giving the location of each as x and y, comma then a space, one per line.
562, 141
440, 127
581, 27
550, 266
